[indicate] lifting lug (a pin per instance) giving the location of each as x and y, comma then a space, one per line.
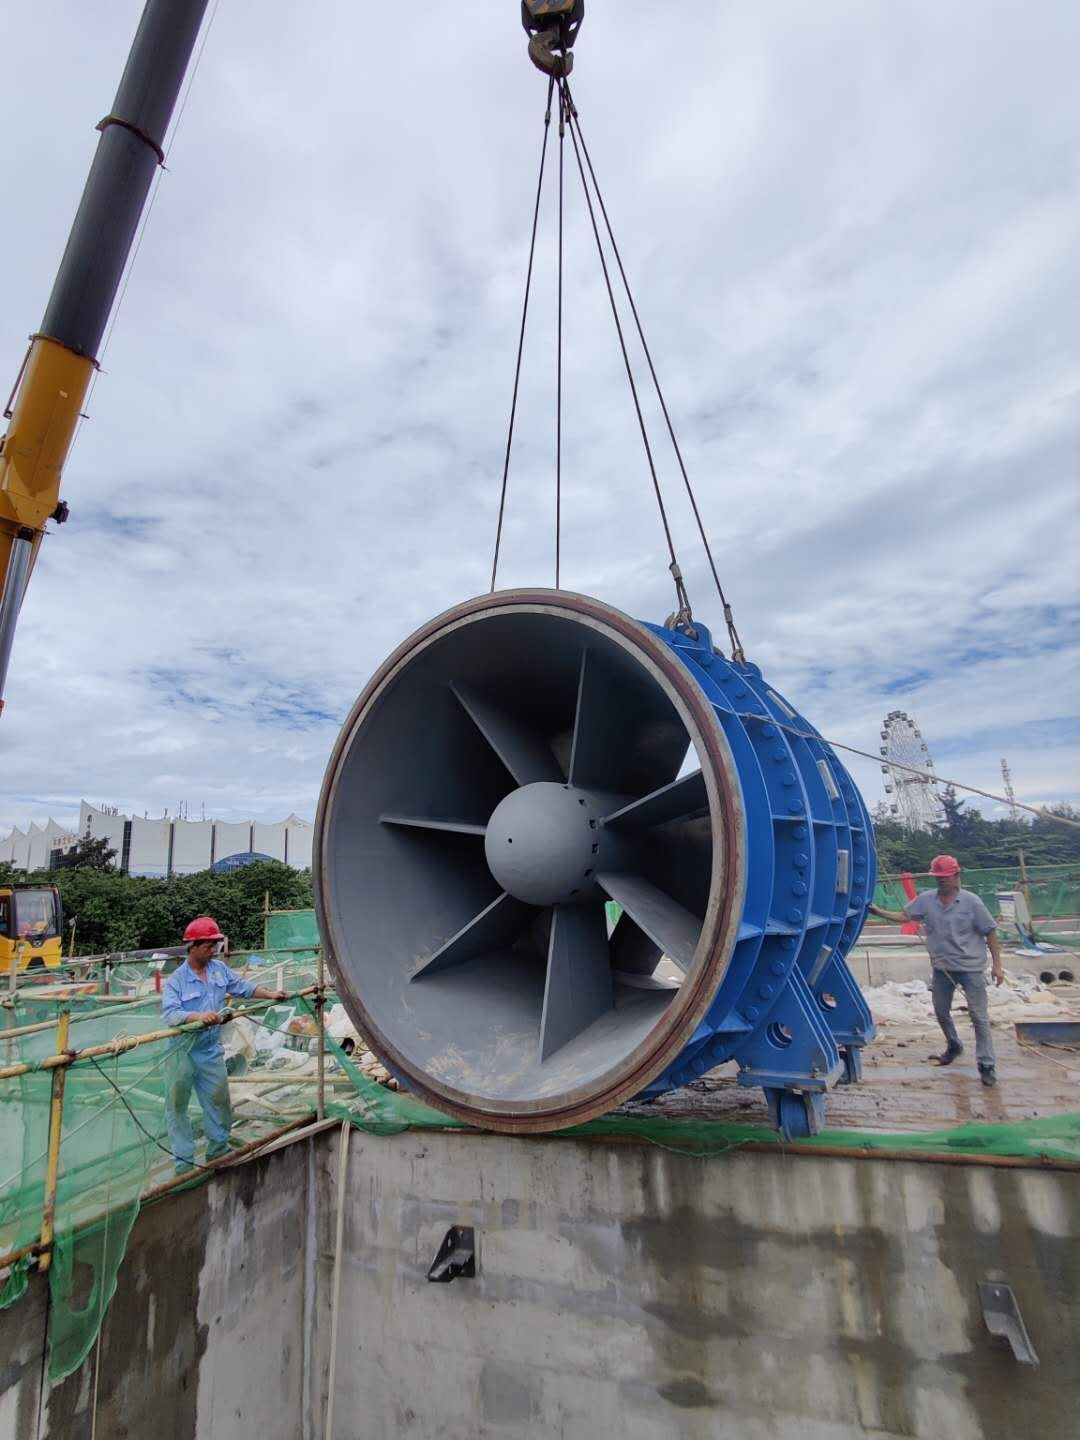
553, 26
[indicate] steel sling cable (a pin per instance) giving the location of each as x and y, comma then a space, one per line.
1041, 811
521, 336
574, 121
558, 343
683, 617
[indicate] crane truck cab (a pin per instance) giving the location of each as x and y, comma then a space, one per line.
31, 927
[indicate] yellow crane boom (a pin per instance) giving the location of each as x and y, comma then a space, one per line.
51, 387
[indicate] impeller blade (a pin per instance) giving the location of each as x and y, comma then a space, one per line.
632, 952
496, 925
428, 822
682, 799
627, 738
579, 986
662, 919
521, 750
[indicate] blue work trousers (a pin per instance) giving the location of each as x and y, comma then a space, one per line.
204, 1072
973, 984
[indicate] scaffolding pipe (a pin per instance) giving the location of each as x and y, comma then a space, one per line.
39, 1025
320, 1005
132, 1042
335, 1293
56, 1122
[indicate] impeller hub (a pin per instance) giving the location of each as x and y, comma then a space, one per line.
543, 843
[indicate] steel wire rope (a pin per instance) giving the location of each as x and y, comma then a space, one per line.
559, 344
574, 121
168, 1150
683, 616
521, 337
1040, 811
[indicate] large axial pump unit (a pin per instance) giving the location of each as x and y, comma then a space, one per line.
564, 858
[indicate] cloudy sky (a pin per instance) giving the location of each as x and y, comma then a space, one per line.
853, 234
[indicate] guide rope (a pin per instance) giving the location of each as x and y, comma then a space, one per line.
1040, 810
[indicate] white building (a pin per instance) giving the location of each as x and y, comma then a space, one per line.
162, 847
192, 846
149, 844
30, 849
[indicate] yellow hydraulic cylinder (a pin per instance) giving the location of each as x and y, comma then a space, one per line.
47, 404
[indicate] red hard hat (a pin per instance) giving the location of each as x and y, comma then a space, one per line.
203, 927
944, 865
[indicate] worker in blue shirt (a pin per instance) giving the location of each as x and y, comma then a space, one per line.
196, 990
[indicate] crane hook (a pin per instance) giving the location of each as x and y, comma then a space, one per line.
553, 26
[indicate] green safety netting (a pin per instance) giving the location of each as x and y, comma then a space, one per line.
384, 1112
1053, 893
1054, 889
113, 1142
294, 930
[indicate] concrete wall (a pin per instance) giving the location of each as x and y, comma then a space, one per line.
207, 1335
632, 1293
876, 964
621, 1291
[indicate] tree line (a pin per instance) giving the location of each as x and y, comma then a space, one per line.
978, 843
112, 911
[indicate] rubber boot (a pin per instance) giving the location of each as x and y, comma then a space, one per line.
987, 1075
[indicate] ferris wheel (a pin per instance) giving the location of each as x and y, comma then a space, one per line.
912, 797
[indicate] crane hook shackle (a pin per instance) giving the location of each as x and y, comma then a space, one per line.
553, 27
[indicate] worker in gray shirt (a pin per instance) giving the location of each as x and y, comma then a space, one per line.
959, 930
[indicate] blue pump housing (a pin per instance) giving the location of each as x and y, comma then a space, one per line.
788, 1009
518, 763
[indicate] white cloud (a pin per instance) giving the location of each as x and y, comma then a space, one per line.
851, 232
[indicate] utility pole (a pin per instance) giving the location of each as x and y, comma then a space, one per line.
1025, 883
1006, 780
